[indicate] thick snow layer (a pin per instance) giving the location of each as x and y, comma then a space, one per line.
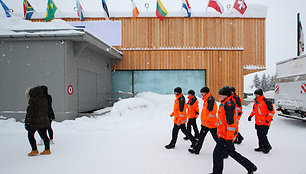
131, 138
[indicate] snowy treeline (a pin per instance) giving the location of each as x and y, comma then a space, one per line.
266, 83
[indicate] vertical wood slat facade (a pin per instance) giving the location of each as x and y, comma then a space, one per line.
223, 67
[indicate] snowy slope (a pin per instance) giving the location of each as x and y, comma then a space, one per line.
131, 138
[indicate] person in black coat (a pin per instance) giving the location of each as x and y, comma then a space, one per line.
37, 119
51, 115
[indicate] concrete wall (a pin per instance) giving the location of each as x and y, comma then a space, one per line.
25, 64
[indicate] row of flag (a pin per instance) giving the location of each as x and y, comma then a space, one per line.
161, 11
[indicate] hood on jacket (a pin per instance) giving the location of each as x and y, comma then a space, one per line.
36, 92
27, 95
45, 90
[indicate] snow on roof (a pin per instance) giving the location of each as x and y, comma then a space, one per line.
119, 8
254, 67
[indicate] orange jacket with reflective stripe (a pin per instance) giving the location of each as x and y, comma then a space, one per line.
193, 107
238, 104
260, 110
209, 112
228, 126
179, 113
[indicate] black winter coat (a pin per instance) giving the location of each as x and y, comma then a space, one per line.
37, 111
50, 110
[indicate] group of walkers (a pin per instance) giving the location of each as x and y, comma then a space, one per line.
222, 123
38, 118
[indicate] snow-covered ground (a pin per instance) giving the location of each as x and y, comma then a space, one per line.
130, 140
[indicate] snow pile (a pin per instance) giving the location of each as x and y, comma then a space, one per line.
131, 138
19, 26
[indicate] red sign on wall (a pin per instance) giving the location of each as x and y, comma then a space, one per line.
70, 90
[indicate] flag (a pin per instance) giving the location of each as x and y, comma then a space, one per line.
80, 10
186, 6
216, 5
105, 9
161, 11
6, 9
51, 9
28, 10
135, 10
300, 37
240, 6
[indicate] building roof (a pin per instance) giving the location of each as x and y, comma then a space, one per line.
16, 28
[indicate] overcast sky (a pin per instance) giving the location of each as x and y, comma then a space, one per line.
280, 23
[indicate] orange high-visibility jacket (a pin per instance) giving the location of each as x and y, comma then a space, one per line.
209, 112
260, 110
193, 107
238, 104
228, 126
180, 115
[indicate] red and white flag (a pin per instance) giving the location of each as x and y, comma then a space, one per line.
240, 6
216, 4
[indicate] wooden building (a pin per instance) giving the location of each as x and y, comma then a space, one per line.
224, 48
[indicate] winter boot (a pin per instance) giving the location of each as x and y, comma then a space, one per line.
253, 170
193, 151
259, 149
185, 138
46, 152
170, 146
33, 153
265, 151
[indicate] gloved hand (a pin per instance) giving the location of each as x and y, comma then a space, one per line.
239, 113
249, 118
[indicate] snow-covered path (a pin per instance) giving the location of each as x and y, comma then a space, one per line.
131, 139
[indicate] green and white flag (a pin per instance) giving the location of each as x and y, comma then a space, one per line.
51, 9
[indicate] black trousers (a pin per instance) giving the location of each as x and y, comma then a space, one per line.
43, 135
262, 132
203, 133
175, 132
192, 122
50, 131
227, 147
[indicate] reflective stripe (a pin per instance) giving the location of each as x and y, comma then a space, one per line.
231, 128
239, 109
259, 110
271, 114
216, 124
211, 115
259, 121
253, 112
181, 115
182, 122
220, 121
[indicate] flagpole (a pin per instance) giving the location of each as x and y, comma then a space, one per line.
298, 34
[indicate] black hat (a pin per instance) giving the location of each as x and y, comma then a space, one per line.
225, 90
205, 89
178, 90
233, 89
258, 92
191, 92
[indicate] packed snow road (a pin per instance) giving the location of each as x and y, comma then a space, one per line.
131, 139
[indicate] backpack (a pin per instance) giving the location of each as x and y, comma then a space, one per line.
269, 106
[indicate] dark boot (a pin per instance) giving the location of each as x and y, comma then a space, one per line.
253, 170
265, 151
193, 151
259, 149
170, 146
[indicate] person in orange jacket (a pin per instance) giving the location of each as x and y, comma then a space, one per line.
263, 111
209, 119
180, 118
192, 112
227, 131
237, 101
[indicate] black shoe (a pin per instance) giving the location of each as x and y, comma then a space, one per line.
259, 149
193, 151
185, 138
265, 151
193, 144
253, 170
170, 146
239, 141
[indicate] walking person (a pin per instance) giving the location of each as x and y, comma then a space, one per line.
238, 104
263, 110
51, 115
37, 119
192, 112
209, 119
227, 131
180, 118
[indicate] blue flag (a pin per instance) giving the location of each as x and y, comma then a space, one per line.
105, 9
6, 9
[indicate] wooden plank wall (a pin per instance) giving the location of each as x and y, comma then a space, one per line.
222, 67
